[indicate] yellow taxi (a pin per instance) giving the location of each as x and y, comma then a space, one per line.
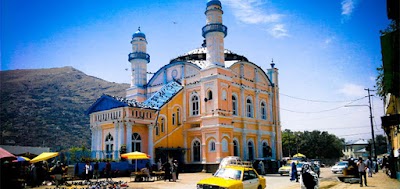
234, 177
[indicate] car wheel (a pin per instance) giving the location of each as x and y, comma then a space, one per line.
334, 172
281, 174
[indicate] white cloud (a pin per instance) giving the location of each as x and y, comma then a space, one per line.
278, 31
250, 12
347, 7
352, 90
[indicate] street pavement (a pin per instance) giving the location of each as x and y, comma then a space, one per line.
328, 180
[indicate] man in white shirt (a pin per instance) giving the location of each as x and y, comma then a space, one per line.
362, 167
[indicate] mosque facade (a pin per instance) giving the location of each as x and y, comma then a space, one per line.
195, 108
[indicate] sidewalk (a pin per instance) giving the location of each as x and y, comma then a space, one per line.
378, 180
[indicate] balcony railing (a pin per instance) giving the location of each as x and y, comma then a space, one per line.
139, 55
214, 28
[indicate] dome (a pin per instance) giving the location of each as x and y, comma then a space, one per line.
214, 2
198, 57
138, 34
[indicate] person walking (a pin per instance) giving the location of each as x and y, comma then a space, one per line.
167, 171
87, 170
261, 167
174, 168
294, 172
369, 164
57, 171
362, 167
96, 171
108, 170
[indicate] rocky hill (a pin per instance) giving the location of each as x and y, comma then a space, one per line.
45, 107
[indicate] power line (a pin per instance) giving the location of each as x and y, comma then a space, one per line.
323, 101
321, 111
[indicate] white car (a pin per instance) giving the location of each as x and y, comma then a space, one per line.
339, 167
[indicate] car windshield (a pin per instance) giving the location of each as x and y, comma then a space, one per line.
342, 164
228, 173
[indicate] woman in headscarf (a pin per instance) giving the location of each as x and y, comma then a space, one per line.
294, 172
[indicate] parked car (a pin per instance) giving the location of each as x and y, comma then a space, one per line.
338, 167
284, 170
234, 176
314, 167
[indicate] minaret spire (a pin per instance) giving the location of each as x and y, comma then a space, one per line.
214, 33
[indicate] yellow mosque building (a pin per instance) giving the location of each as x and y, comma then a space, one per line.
194, 109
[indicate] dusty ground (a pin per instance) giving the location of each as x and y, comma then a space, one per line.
327, 181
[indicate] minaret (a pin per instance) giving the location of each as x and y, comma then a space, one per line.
214, 32
139, 60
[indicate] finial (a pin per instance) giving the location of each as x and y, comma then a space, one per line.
272, 63
138, 28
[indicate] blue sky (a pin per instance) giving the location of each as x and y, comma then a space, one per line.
327, 52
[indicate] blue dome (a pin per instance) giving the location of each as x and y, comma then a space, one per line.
214, 2
139, 34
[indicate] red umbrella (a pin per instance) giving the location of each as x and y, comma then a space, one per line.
5, 154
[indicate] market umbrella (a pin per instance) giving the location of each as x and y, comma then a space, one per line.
299, 155
44, 156
135, 155
5, 154
21, 158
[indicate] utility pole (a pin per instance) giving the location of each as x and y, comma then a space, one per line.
372, 125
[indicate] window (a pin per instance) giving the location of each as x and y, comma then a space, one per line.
162, 124
109, 146
196, 151
195, 105
178, 116
234, 105
136, 142
266, 150
157, 130
250, 147
235, 148
173, 119
249, 109
224, 145
249, 175
209, 95
211, 146
263, 111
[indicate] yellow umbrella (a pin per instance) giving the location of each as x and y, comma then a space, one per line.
44, 156
135, 155
299, 155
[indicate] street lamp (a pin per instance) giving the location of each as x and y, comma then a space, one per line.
370, 116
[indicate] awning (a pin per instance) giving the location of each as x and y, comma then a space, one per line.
5, 154
44, 156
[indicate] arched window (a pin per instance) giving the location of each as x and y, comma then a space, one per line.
178, 116
196, 151
263, 111
211, 146
249, 107
157, 130
162, 124
250, 147
173, 118
109, 142
209, 95
136, 142
194, 105
235, 148
266, 150
234, 105
224, 145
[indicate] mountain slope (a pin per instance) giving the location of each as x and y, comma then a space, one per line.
45, 107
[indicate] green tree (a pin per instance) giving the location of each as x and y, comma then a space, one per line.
380, 144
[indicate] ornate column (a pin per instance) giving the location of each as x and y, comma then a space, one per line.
129, 137
93, 141
259, 144
151, 144
121, 134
